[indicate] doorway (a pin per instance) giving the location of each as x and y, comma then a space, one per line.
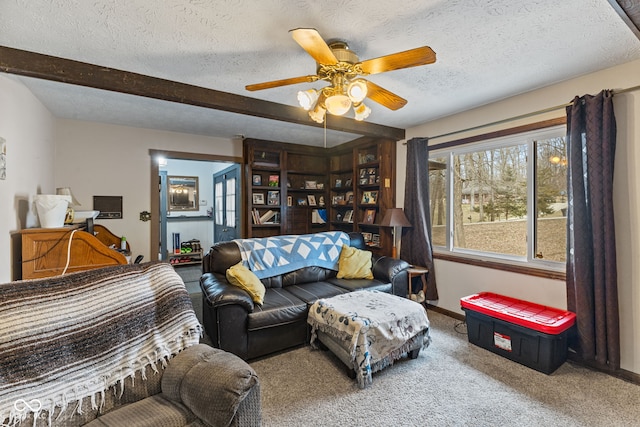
226, 213
159, 231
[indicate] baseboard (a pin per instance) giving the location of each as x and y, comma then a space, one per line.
458, 316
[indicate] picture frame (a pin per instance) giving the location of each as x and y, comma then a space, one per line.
320, 186
348, 216
349, 197
258, 198
337, 199
369, 216
364, 181
363, 173
375, 240
371, 171
302, 202
372, 179
257, 180
367, 237
347, 183
274, 181
321, 201
338, 183
369, 197
273, 198
310, 185
289, 201
312, 200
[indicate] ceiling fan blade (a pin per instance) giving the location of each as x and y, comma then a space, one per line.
409, 58
384, 97
283, 82
311, 41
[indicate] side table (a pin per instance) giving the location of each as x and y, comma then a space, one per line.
415, 271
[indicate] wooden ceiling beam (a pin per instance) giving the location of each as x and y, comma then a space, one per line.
31, 64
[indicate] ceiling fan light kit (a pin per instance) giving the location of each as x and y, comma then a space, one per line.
340, 66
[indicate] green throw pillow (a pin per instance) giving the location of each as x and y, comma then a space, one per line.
354, 264
240, 276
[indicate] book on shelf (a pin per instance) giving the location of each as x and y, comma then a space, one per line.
267, 217
319, 216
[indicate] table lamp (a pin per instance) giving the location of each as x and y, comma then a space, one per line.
395, 218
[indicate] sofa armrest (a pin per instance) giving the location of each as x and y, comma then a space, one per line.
212, 383
217, 291
391, 270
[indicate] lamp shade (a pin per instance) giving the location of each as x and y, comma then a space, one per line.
395, 217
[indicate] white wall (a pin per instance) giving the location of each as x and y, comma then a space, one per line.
27, 127
457, 280
109, 160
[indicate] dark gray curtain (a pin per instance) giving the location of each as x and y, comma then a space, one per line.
592, 290
416, 247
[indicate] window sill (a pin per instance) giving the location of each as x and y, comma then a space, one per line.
501, 265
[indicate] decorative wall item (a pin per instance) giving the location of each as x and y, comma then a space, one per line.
183, 193
3, 158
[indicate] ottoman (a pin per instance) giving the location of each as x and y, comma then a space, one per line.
369, 330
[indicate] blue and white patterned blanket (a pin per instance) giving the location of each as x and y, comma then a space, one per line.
271, 256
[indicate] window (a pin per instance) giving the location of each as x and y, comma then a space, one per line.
489, 196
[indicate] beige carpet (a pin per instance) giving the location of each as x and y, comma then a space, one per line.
451, 383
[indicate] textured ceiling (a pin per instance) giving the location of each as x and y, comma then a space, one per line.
486, 50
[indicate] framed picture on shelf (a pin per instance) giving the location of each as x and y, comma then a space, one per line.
320, 186
367, 237
310, 185
369, 216
348, 216
371, 171
312, 200
274, 180
372, 179
364, 181
302, 202
363, 173
375, 239
349, 197
257, 179
337, 200
369, 197
347, 183
273, 198
338, 183
289, 201
258, 198
321, 201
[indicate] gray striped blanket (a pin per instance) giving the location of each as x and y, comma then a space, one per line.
69, 338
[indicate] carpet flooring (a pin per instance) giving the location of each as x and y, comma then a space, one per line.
451, 383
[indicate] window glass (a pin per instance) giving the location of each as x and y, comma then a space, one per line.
231, 202
551, 199
502, 198
218, 203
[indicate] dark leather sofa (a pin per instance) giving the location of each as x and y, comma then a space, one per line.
235, 324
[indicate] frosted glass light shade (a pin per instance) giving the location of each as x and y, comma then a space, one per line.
357, 91
317, 114
361, 112
307, 98
338, 104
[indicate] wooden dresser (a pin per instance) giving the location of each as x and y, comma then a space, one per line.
45, 250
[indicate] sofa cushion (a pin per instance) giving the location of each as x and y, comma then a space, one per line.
362, 284
311, 292
307, 275
152, 411
240, 276
354, 264
280, 307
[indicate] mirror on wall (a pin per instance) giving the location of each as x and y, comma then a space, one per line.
182, 193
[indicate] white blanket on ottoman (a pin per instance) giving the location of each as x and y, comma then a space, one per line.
376, 328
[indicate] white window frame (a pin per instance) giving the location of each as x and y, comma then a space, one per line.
527, 137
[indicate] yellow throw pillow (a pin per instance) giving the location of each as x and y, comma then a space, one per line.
354, 264
240, 276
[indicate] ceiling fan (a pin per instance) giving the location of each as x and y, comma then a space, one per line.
340, 66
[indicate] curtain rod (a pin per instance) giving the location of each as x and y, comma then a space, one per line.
523, 116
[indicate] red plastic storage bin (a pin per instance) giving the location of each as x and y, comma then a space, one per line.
528, 333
